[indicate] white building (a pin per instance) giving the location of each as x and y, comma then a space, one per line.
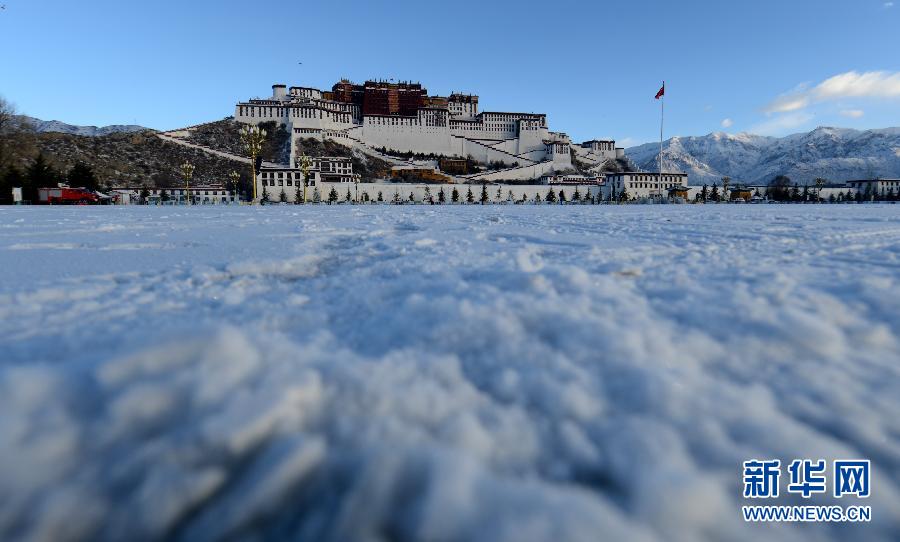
401, 117
875, 188
272, 181
642, 184
199, 195
573, 179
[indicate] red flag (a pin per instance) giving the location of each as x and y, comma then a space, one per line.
662, 92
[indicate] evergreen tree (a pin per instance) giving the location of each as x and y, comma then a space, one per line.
454, 197
795, 194
411, 198
624, 195
11, 178
550, 197
805, 196
81, 175
484, 194
562, 197
145, 196
380, 197
442, 198
704, 193
779, 188
510, 198
332, 196
427, 197
317, 196
499, 194
264, 199
714, 193
298, 195
164, 195
831, 198
576, 197
537, 198
470, 198
396, 199
348, 198
283, 196
39, 174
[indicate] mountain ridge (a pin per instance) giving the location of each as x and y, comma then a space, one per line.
43, 126
836, 154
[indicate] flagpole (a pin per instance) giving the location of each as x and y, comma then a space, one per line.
662, 116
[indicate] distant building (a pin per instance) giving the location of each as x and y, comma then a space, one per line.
210, 194
642, 184
323, 169
875, 187
573, 179
739, 192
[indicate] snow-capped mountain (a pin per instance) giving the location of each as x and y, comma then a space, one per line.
88, 131
836, 154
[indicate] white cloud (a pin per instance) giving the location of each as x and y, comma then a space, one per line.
852, 113
727, 123
888, 5
878, 84
782, 124
786, 103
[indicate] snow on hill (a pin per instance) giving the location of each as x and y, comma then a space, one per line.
88, 131
836, 154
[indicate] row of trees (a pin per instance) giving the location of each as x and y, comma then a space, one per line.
454, 196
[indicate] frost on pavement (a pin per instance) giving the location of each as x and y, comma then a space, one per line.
440, 373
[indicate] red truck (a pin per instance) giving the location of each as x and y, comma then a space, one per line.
67, 196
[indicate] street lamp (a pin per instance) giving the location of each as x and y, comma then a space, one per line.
235, 179
253, 138
820, 182
305, 164
187, 172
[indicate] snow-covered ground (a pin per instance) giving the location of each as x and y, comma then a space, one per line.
440, 373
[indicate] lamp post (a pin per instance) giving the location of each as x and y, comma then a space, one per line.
820, 182
253, 138
187, 172
725, 182
235, 179
305, 164
356, 189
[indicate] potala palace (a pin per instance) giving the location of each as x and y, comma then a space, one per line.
402, 117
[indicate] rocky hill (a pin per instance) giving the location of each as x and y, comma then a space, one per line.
143, 158
138, 159
835, 154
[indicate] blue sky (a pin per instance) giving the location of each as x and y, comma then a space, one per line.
763, 66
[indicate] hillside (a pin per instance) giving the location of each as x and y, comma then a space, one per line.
139, 158
835, 154
145, 159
